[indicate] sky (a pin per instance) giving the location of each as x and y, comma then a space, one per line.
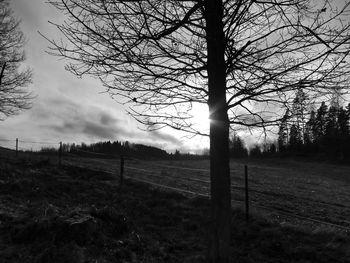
74, 110
69, 109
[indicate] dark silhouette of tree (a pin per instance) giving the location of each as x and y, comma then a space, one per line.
13, 79
237, 147
335, 135
283, 133
145, 151
293, 124
116, 149
344, 125
272, 149
267, 150
299, 112
241, 58
343, 122
309, 134
177, 154
255, 152
320, 122
295, 139
326, 135
331, 125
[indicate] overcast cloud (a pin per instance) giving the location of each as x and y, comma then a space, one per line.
69, 109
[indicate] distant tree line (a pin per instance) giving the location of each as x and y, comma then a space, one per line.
324, 133
108, 149
111, 149
237, 150
237, 147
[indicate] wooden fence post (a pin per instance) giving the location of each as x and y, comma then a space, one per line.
121, 169
16, 147
246, 193
60, 155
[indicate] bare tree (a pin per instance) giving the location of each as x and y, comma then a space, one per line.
13, 95
244, 59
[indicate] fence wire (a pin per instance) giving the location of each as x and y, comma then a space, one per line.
152, 173
177, 179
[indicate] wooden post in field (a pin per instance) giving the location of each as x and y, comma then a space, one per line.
246, 193
16, 147
60, 155
121, 169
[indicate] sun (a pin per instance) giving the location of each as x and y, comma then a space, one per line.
200, 118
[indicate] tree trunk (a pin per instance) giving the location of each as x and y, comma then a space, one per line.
219, 236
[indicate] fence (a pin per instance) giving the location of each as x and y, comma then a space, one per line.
244, 188
195, 183
16, 144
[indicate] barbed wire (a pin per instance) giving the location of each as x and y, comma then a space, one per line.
153, 174
253, 203
285, 213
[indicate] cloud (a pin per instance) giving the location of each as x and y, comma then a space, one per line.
107, 119
99, 131
59, 118
84, 128
165, 137
64, 116
94, 123
66, 108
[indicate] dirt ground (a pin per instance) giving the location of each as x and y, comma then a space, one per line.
70, 214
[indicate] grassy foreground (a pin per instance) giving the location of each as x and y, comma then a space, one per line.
70, 214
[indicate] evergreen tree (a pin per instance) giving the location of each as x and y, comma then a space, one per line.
283, 133
343, 122
344, 133
255, 151
295, 140
331, 141
272, 148
326, 133
348, 116
320, 122
331, 125
237, 147
269, 149
177, 154
299, 111
309, 134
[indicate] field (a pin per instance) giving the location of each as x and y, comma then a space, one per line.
291, 192
78, 213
